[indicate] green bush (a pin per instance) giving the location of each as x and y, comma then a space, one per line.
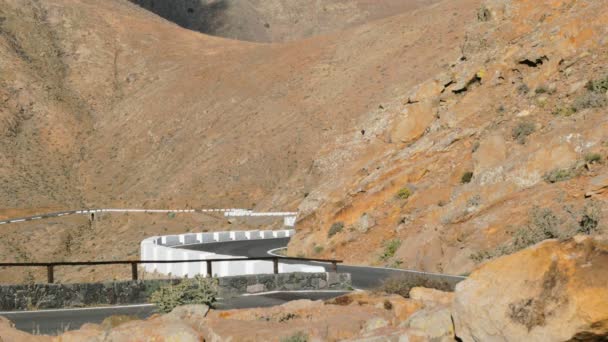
335, 229
198, 290
466, 177
402, 284
404, 193
522, 131
593, 158
390, 248
171, 215
560, 175
297, 337
318, 249
541, 90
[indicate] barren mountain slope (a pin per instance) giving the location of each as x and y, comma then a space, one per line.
275, 20
433, 140
142, 113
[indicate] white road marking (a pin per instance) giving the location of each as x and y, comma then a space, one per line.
271, 252
296, 291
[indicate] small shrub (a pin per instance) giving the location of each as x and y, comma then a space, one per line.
474, 201
480, 256
598, 86
483, 14
595, 97
116, 320
592, 158
523, 89
466, 177
401, 285
543, 224
318, 249
541, 90
198, 290
335, 229
396, 264
522, 131
171, 215
590, 221
590, 100
68, 241
564, 111
390, 248
404, 193
297, 337
559, 175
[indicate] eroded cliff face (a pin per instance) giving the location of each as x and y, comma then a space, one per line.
502, 148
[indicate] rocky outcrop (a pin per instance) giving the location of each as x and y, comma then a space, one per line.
550, 292
598, 186
513, 126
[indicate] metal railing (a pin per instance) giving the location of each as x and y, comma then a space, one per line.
50, 266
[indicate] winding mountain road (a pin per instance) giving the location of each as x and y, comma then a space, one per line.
54, 321
363, 277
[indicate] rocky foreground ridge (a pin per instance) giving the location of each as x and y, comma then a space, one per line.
553, 291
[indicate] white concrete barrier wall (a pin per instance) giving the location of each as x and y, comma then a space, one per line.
160, 248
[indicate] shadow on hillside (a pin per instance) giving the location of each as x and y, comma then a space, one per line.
199, 15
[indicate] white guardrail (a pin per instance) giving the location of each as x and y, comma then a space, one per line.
162, 248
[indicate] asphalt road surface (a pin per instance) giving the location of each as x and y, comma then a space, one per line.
364, 278
52, 322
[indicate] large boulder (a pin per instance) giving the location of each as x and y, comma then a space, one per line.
553, 291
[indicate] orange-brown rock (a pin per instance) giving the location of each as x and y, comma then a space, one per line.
553, 291
432, 297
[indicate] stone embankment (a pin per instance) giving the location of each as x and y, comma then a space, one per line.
51, 296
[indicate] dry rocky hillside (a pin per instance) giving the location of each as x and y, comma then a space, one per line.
415, 134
